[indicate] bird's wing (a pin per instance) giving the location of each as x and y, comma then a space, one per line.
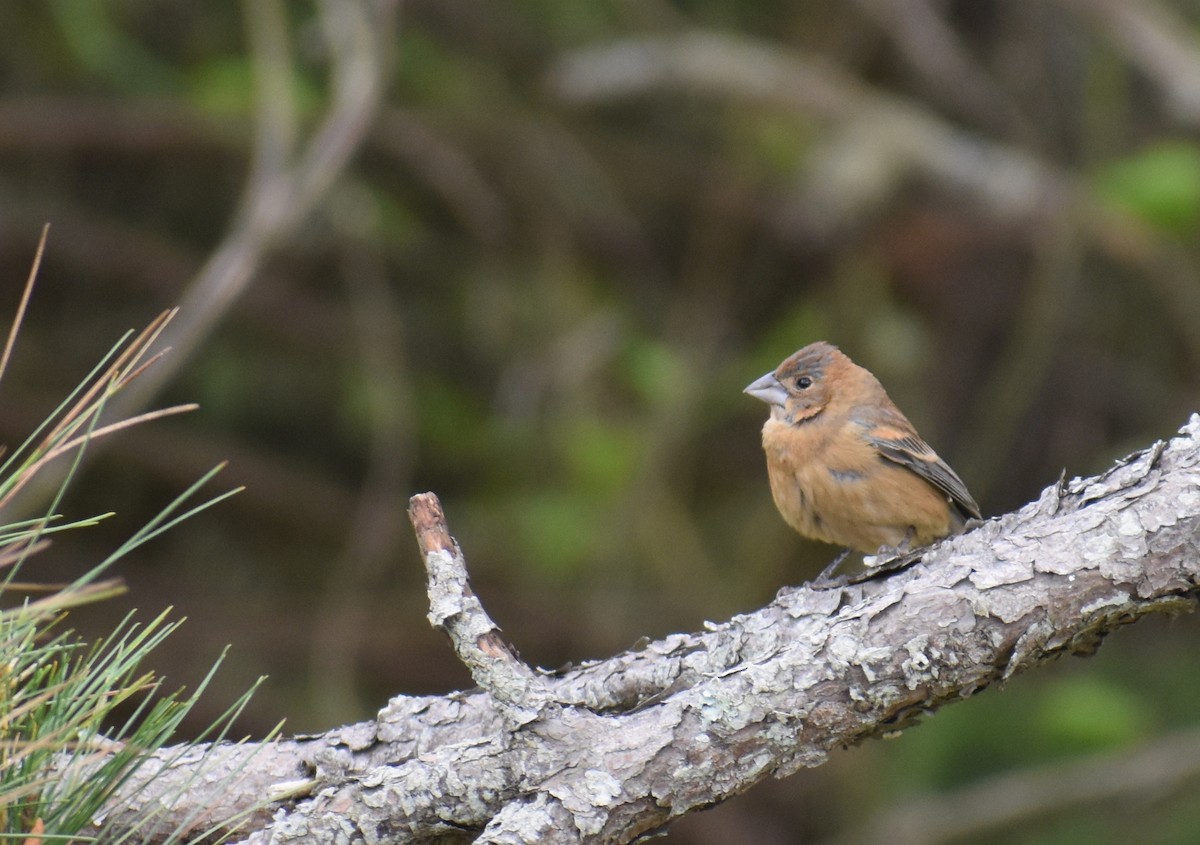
905, 447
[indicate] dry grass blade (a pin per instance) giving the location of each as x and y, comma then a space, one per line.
33, 587
65, 435
62, 448
80, 595
117, 426
20, 316
119, 373
19, 552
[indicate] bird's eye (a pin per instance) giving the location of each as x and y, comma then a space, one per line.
803, 383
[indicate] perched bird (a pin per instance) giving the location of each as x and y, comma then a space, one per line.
845, 465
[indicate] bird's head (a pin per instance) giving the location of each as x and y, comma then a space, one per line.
802, 386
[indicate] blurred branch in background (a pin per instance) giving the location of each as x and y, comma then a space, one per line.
1155, 771
1006, 397
936, 53
381, 385
879, 139
1159, 42
449, 171
285, 183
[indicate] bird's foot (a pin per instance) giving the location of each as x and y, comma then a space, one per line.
828, 580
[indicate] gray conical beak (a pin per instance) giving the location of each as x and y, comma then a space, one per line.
768, 389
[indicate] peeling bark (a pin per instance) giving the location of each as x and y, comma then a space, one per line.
614, 749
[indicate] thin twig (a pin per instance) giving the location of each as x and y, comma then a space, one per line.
519, 693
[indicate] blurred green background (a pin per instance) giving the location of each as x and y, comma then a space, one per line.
567, 235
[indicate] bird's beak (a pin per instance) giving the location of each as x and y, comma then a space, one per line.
768, 389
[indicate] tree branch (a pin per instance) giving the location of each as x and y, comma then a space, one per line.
615, 749
453, 607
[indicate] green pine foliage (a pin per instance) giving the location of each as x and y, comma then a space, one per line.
77, 719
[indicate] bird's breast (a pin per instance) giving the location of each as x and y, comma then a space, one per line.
833, 486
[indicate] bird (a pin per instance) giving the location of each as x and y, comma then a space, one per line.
846, 466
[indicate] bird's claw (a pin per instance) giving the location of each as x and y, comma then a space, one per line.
827, 580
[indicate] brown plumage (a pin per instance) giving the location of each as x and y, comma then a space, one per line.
845, 465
